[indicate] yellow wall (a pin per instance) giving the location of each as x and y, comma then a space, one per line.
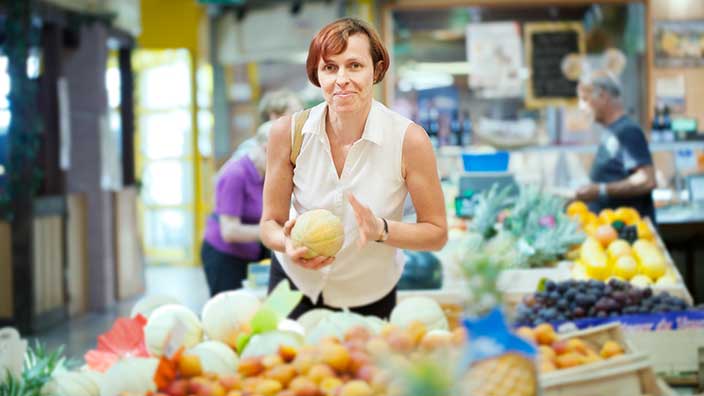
170, 24
694, 77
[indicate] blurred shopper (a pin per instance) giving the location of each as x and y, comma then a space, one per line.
359, 160
273, 105
622, 173
231, 239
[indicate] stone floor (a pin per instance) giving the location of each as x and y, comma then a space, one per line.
78, 335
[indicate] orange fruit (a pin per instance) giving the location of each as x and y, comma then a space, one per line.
627, 214
576, 207
607, 216
605, 234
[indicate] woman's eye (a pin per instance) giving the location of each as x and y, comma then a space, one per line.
329, 67
356, 65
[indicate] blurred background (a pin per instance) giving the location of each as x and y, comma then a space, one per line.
115, 116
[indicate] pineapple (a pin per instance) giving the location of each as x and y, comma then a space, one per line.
507, 375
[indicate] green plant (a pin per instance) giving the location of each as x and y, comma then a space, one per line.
38, 367
490, 204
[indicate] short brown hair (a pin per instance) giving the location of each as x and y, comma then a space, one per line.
332, 40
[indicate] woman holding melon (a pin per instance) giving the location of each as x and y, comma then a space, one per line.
337, 177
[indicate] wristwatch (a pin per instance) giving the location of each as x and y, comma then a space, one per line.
603, 194
385, 233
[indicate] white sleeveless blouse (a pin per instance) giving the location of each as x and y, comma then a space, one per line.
373, 173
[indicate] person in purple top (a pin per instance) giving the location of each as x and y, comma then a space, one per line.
231, 239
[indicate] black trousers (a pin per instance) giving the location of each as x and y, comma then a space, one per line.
381, 308
222, 271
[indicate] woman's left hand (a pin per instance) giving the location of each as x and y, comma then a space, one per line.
370, 227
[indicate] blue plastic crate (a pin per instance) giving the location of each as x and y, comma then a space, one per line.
490, 162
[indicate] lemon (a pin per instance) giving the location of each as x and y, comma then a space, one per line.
619, 248
641, 281
625, 267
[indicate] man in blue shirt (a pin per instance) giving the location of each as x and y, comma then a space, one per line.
622, 173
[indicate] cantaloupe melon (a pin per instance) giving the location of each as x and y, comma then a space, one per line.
320, 231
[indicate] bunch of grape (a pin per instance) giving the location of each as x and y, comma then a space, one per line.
572, 299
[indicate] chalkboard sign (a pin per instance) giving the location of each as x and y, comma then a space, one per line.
547, 44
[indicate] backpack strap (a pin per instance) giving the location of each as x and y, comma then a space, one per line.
299, 121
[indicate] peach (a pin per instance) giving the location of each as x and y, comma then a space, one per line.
283, 373
196, 383
268, 387
401, 342
250, 366
377, 347
578, 345
547, 353
304, 361
611, 349
547, 366
249, 385
272, 361
560, 347
330, 385
235, 393
545, 334
358, 333
231, 382
366, 373
319, 372
357, 360
302, 386
569, 359
336, 356
416, 330
287, 353
178, 387
356, 388
433, 340
211, 389
189, 365
459, 336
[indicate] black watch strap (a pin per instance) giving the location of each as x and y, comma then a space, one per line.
385, 234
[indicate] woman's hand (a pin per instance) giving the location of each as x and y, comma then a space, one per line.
296, 254
370, 226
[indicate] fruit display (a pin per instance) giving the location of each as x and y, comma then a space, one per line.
320, 231
619, 245
556, 354
533, 223
572, 299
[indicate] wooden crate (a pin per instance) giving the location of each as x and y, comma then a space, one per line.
680, 288
635, 378
129, 261
672, 352
595, 337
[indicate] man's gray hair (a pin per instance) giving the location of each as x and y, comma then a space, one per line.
279, 103
607, 83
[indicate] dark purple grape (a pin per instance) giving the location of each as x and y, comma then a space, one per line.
578, 312
550, 286
601, 314
608, 290
619, 296
647, 292
562, 304
570, 294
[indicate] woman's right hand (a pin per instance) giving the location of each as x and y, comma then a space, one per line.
296, 254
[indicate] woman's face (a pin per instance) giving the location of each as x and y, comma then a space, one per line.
347, 78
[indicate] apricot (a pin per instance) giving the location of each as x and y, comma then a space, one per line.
231, 382
356, 388
547, 366
578, 345
401, 342
545, 334
189, 365
235, 393
304, 361
178, 387
319, 372
611, 349
330, 385
358, 333
250, 366
268, 387
416, 330
547, 353
560, 347
569, 359
335, 356
302, 386
283, 374
358, 359
377, 347
272, 361
435, 339
287, 353
211, 389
